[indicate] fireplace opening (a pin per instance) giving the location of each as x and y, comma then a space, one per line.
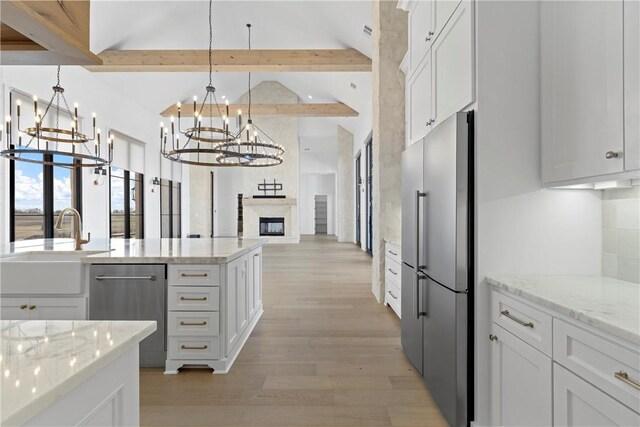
270, 226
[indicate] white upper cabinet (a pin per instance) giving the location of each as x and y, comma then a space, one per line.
631, 84
583, 89
453, 65
421, 32
419, 100
441, 12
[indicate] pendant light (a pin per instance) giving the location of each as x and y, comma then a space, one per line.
251, 146
202, 135
55, 145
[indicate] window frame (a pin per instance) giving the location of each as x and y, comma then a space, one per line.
127, 203
172, 185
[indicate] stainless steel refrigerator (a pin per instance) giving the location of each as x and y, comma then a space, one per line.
437, 263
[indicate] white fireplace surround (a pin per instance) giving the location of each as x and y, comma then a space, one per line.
287, 208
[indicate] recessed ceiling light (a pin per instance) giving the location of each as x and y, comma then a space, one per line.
310, 97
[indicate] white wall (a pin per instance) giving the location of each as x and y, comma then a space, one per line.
312, 185
228, 183
520, 227
114, 112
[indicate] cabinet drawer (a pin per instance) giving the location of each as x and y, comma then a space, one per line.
193, 298
597, 360
393, 297
578, 403
194, 348
393, 252
524, 321
194, 275
392, 272
191, 323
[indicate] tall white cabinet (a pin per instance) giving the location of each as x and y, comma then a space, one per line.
589, 77
440, 72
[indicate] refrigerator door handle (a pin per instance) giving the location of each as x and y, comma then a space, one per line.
417, 276
419, 313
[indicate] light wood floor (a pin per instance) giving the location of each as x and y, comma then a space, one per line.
325, 353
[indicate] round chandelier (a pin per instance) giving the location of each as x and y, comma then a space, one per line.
251, 146
53, 144
204, 133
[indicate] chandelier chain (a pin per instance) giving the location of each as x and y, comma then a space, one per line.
249, 112
210, 42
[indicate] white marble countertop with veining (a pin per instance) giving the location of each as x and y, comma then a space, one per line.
610, 305
215, 250
44, 360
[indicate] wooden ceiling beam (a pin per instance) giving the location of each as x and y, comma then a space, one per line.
287, 110
232, 60
58, 31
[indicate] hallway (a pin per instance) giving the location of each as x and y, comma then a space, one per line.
323, 354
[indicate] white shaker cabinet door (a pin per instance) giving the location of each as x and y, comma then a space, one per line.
59, 308
254, 289
421, 32
442, 11
452, 54
578, 403
419, 101
582, 89
236, 301
631, 85
14, 308
521, 382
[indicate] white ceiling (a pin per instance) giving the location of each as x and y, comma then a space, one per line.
275, 25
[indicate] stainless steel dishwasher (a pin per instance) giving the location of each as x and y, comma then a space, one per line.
132, 292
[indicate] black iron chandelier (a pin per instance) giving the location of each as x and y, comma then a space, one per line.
54, 144
200, 138
251, 146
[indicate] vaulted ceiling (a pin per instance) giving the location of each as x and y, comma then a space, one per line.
275, 25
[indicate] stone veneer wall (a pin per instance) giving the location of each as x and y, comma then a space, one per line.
389, 47
621, 233
346, 177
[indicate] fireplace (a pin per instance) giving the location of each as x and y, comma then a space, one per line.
272, 226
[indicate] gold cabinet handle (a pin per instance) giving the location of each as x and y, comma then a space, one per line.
32, 307
193, 299
515, 319
392, 253
23, 306
493, 337
392, 295
624, 377
193, 323
194, 275
392, 272
189, 347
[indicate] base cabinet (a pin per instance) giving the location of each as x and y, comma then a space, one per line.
578, 403
520, 382
29, 308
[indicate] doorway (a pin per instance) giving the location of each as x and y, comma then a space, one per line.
320, 214
369, 186
358, 200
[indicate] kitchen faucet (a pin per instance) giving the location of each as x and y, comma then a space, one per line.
78, 236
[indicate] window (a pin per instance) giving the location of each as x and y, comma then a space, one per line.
37, 192
170, 215
127, 214
369, 200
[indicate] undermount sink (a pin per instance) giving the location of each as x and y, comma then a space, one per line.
25, 273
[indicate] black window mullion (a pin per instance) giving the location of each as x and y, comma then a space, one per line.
171, 209
140, 205
12, 200
127, 206
77, 188
47, 172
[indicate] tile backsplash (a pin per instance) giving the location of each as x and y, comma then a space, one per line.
621, 233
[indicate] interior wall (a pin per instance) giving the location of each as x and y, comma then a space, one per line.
113, 112
310, 186
520, 227
345, 195
621, 233
228, 184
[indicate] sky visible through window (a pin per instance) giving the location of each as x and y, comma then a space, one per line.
29, 187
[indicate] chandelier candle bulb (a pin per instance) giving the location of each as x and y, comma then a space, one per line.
35, 105
18, 107
75, 111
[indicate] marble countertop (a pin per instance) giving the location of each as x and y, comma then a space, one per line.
44, 360
145, 251
611, 305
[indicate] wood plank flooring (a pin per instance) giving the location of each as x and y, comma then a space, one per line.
325, 353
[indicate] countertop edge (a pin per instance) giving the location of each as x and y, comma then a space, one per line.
578, 316
34, 407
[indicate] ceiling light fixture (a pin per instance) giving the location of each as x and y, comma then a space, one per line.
251, 146
202, 136
54, 144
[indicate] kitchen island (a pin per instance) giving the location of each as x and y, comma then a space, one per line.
205, 294
60, 373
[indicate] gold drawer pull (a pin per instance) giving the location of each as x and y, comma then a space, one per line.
624, 377
193, 299
392, 295
193, 323
515, 319
32, 307
392, 272
194, 275
23, 306
189, 347
392, 253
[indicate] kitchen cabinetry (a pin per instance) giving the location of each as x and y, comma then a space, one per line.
441, 74
519, 372
584, 85
537, 354
29, 308
393, 277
